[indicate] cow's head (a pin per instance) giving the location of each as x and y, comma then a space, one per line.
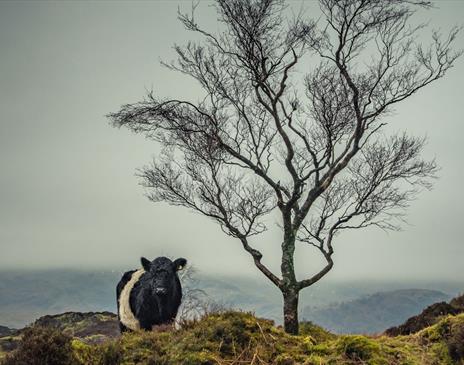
163, 273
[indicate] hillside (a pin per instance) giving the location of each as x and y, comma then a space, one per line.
429, 316
89, 327
373, 313
241, 338
5, 331
27, 295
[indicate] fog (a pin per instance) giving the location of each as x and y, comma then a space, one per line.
69, 197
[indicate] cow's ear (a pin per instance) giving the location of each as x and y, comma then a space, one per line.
179, 264
145, 263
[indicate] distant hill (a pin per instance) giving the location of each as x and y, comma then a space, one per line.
5, 331
27, 295
373, 313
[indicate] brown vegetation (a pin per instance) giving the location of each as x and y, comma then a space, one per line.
42, 346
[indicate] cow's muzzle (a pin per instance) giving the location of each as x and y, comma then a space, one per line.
161, 291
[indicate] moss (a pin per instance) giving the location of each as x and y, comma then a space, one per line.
284, 359
445, 340
322, 349
358, 347
400, 350
241, 338
317, 333
104, 354
197, 358
236, 337
315, 360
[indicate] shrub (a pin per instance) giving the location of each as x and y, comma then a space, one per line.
316, 332
455, 342
42, 346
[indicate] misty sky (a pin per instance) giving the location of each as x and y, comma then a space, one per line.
69, 196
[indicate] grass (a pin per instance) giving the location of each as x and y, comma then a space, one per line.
231, 337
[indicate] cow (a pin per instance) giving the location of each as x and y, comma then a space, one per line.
151, 295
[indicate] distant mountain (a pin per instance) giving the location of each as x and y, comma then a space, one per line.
27, 295
373, 313
5, 331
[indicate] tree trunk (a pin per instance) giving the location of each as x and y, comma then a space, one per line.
291, 311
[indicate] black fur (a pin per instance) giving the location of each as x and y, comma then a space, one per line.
156, 297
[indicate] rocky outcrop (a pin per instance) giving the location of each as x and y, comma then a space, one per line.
91, 327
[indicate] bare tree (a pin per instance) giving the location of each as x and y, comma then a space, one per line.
265, 137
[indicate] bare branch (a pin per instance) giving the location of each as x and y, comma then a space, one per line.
264, 136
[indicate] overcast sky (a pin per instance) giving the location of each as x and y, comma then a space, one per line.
69, 196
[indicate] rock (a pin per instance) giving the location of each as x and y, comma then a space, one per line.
91, 327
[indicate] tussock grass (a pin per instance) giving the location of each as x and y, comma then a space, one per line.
234, 338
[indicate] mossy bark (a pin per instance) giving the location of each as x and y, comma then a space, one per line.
291, 311
289, 288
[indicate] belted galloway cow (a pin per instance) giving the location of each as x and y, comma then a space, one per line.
151, 295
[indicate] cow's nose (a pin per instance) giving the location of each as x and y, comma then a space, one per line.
160, 290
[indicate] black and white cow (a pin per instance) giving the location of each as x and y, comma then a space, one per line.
151, 295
